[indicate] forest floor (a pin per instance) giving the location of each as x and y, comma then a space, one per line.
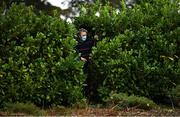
102, 112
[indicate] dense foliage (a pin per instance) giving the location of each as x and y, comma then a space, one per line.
38, 62
139, 52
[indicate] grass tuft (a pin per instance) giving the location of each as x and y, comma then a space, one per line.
24, 108
122, 100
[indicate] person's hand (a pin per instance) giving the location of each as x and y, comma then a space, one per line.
83, 59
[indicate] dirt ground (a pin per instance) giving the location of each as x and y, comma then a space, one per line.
126, 112
103, 112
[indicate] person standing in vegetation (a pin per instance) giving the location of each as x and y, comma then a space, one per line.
84, 47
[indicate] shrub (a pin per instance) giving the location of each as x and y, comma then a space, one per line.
122, 100
25, 108
38, 62
139, 48
176, 92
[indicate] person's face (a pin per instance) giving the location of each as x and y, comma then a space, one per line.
83, 34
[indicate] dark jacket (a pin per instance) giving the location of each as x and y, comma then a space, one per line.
85, 48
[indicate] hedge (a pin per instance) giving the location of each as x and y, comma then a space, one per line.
138, 48
38, 62
137, 53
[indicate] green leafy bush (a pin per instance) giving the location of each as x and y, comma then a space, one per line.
176, 92
139, 51
122, 100
38, 62
25, 108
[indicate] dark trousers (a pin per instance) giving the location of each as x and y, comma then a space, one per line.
90, 90
85, 67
